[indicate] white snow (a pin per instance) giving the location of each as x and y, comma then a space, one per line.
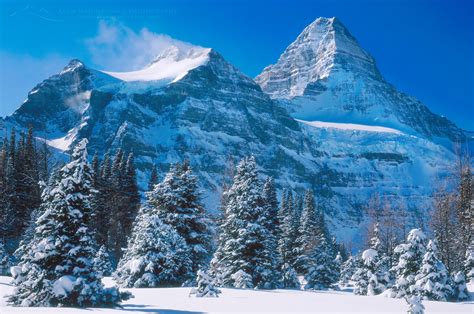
63, 285
350, 126
61, 143
177, 300
170, 66
369, 255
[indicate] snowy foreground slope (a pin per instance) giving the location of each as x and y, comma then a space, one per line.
177, 301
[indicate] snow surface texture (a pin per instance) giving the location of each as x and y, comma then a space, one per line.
177, 300
350, 126
170, 66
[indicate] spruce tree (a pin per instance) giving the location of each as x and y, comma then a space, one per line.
321, 273
177, 202
244, 252
288, 247
370, 278
289, 278
469, 263
459, 289
271, 202
156, 256
5, 261
409, 263
348, 269
153, 178
432, 279
205, 286
102, 262
58, 270
309, 233
415, 306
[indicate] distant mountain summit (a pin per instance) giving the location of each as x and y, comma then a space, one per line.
325, 75
326, 120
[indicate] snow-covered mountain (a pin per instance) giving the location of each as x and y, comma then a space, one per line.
191, 103
325, 75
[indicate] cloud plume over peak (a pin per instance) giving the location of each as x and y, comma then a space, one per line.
117, 47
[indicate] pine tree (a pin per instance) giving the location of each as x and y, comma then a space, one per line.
130, 196
469, 263
409, 263
288, 247
5, 261
47, 197
242, 280
309, 233
432, 280
176, 201
102, 262
156, 256
102, 203
270, 199
348, 269
289, 278
246, 248
205, 286
460, 292
371, 277
116, 236
58, 269
321, 274
153, 178
415, 306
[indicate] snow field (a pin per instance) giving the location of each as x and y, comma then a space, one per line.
177, 301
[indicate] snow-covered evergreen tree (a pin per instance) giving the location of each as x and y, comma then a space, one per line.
322, 273
309, 233
469, 263
432, 281
370, 278
153, 178
46, 197
415, 306
245, 246
289, 278
271, 202
459, 289
409, 263
156, 255
102, 262
288, 247
176, 200
5, 261
242, 280
205, 286
58, 269
348, 269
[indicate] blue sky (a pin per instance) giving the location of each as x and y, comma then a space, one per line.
425, 48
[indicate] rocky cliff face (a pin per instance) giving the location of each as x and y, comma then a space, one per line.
193, 104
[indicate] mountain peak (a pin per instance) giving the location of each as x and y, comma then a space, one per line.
73, 65
172, 64
323, 47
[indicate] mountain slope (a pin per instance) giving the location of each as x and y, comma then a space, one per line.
325, 75
210, 113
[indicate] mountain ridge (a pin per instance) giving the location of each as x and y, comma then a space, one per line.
214, 114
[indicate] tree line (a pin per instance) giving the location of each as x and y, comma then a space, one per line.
257, 241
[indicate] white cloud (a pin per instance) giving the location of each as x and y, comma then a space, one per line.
119, 48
